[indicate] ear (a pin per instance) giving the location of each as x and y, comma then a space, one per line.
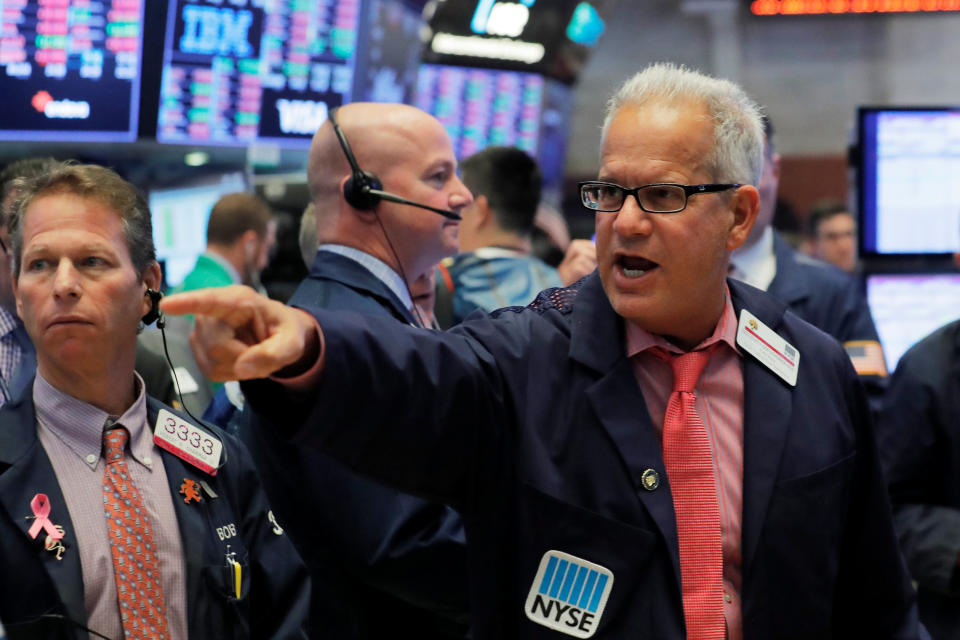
484, 212
16, 292
744, 204
776, 166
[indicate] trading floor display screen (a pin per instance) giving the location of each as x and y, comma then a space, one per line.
239, 71
70, 69
907, 307
483, 107
908, 192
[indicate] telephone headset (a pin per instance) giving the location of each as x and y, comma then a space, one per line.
364, 191
155, 315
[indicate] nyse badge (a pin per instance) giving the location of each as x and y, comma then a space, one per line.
569, 594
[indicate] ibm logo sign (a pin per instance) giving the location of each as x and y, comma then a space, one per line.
568, 594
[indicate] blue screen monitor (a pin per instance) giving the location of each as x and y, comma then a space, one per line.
69, 70
908, 197
245, 71
907, 307
179, 214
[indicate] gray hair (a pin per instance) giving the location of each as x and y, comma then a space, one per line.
96, 183
737, 154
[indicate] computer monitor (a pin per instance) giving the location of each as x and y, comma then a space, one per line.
255, 70
179, 214
552, 38
909, 201
388, 52
68, 72
487, 107
907, 307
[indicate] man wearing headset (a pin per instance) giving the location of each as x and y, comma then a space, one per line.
120, 518
380, 560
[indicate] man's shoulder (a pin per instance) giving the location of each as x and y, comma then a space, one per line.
820, 277
935, 353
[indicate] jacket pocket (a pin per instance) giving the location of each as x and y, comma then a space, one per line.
582, 573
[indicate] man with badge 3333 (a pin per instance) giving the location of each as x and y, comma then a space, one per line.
167, 534
654, 452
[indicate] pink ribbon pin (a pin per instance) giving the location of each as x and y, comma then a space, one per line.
41, 511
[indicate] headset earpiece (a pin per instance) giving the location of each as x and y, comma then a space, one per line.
154, 313
356, 190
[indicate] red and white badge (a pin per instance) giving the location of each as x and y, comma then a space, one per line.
188, 442
765, 345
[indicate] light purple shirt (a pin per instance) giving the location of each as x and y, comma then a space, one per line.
71, 432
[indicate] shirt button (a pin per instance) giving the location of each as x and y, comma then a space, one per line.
727, 597
91, 459
147, 461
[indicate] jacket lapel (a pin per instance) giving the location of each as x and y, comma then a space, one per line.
767, 409
597, 342
191, 519
25, 471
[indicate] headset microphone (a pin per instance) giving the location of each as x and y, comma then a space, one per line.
363, 190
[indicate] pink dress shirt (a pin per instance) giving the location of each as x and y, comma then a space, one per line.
720, 404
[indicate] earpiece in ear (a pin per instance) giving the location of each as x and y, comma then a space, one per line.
154, 313
356, 190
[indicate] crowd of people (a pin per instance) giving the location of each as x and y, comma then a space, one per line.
684, 430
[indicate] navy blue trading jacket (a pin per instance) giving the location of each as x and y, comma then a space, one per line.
275, 589
532, 424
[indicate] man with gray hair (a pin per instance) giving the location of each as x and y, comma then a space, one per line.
656, 451
120, 517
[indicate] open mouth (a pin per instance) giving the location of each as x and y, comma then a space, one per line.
634, 267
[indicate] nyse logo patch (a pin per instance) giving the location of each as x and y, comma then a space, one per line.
568, 594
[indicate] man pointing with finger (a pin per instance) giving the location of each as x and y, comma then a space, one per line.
653, 452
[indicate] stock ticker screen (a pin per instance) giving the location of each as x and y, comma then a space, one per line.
70, 69
238, 71
483, 107
486, 107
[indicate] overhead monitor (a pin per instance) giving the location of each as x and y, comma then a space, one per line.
483, 107
388, 52
908, 194
550, 37
179, 214
907, 307
255, 70
70, 69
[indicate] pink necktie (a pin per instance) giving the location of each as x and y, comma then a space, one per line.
689, 465
135, 566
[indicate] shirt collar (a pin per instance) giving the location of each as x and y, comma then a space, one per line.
8, 322
225, 264
80, 425
383, 272
756, 265
640, 340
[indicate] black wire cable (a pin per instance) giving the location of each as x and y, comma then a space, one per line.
406, 283
162, 324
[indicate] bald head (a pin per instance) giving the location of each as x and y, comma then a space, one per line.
380, 136
410, 152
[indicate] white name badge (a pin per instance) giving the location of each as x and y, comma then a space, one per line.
765, 345
190, 443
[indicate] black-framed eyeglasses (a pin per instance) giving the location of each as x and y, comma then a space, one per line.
663, 197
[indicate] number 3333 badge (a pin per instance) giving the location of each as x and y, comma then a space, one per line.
188, 442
